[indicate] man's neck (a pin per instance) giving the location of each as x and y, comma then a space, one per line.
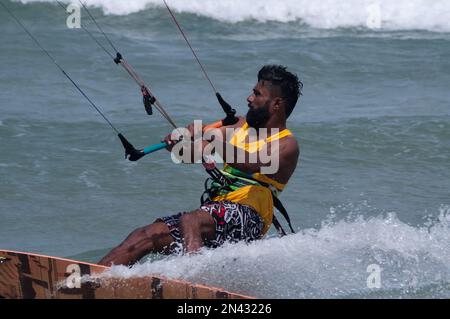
273, 126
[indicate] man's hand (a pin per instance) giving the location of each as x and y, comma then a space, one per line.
170, 142
193, 131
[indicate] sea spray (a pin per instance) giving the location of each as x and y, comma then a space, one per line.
322, 263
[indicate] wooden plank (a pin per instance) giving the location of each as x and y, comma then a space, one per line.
33, 276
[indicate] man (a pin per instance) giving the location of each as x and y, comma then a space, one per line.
242, 209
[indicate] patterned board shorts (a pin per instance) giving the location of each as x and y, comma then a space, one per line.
234, 222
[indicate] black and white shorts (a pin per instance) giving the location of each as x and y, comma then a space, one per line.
234, 222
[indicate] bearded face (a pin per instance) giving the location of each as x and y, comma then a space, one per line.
257, 117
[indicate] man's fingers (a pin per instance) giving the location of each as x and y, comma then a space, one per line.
170, 143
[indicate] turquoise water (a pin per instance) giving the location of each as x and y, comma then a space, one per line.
372, 185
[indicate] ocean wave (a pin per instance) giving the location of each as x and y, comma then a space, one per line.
326, 14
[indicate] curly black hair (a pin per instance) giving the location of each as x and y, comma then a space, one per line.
291, 87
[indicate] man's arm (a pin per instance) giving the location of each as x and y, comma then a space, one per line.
284, 162
277, 160
289, 154
194, 131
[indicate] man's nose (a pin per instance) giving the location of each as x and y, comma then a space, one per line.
250, 98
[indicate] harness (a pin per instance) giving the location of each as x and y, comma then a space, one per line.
221, 183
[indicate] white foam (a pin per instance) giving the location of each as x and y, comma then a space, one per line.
86, 180
384, 14
6, 165
329, 262
78, 150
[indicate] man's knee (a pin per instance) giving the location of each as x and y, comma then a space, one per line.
158, 232
200, 222
155, 235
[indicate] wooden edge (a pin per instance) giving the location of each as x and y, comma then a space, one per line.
195, 290
53, 257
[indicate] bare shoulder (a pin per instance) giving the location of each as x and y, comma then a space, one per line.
289, 147
288, 158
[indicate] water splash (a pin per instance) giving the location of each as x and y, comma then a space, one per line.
330, 262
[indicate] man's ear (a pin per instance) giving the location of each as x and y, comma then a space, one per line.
277, 104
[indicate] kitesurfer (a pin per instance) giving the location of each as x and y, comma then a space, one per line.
241, 210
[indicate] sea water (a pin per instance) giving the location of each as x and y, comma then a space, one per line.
370, 199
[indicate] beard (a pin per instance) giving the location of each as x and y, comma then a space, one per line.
258, 117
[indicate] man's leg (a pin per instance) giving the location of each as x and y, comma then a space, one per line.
195, 228
155, 237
